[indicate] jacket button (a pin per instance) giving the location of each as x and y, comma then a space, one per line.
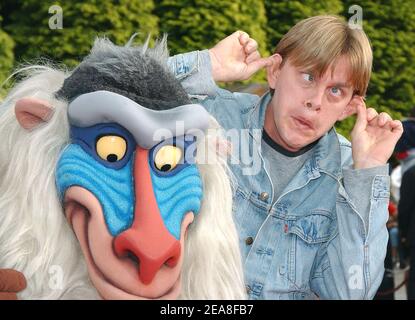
282, 270
249, 241
264, 196
248, 289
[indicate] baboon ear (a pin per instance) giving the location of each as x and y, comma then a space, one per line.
31, 112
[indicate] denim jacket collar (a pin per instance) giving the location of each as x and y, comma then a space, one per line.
326, 156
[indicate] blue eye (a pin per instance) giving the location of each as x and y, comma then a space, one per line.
308, 77
336, 91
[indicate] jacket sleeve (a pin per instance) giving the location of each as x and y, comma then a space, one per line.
351, 264
194, 71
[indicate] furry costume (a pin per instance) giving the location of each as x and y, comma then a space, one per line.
62, 160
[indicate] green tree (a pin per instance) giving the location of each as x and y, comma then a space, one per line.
28, 24
6, 56
199, 24
391, 30
282, 15
390, 27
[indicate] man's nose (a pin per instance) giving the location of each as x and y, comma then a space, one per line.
147, 240
314, 100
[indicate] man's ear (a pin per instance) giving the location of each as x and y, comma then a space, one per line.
31, 112
351, 108
273, 70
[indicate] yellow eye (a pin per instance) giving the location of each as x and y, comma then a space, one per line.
111, 148
167, 158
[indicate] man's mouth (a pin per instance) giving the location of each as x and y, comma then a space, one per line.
303, 123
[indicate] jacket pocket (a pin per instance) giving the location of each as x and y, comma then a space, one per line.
314, 228
308, 233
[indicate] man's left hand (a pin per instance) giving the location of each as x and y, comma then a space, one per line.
374, 136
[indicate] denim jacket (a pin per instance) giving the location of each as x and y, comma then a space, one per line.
325, 236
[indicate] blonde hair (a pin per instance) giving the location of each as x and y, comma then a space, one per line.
318, 42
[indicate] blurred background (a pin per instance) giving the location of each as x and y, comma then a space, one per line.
26, 37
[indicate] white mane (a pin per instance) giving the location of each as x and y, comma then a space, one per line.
36, 239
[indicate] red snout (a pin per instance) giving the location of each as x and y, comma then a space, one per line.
148, 239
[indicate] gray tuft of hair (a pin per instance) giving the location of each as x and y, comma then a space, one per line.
107, 57
140, 73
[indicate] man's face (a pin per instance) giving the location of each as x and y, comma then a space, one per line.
304, 106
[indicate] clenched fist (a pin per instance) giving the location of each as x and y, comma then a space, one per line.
236, 58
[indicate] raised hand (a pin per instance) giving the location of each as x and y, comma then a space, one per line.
236, 58
374, 136
11, 282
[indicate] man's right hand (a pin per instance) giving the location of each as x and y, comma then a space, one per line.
11, 282
236, 58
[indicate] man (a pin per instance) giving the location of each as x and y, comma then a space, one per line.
312, 218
